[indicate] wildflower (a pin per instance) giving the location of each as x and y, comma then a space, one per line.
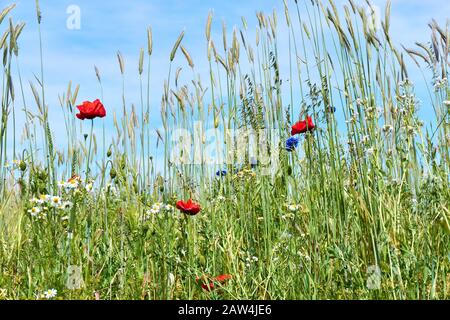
55, 201
34, 211
89, 187
331, 109
91, 110
292, 144
303, 126
222, 279
221, 173
293, 207
189, 207
50, 294
447, 103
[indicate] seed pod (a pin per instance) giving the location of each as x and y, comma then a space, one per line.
113, 173
22, 166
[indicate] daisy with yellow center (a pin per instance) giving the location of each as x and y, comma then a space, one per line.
34, 211
55, 201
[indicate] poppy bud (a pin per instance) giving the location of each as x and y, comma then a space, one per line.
22, 166
109, 153
112, 173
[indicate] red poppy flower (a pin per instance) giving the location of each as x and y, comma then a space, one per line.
303, 126
189, 207
222, 279
74, 178
90, 110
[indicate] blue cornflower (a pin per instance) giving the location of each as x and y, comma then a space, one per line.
331, 109
292, 143
221, 173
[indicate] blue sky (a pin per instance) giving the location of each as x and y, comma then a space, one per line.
109, 26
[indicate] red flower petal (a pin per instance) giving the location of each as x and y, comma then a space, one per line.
303, 126
188, 207
222, 279
91, 110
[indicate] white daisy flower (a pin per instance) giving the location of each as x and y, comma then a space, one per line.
34, 211
50, 294
55, 201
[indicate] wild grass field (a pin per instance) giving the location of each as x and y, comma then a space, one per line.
338, 192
